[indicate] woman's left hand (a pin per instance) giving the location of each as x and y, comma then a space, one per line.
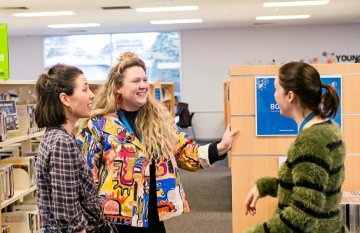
225, 145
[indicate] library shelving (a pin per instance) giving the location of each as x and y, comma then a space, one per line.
164, 92
21, 183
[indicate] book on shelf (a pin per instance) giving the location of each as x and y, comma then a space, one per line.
23, 221
3, 129
26, 163
5, 229
9, 106
6, 181
350, 205
9, 95
9, 151
35, 217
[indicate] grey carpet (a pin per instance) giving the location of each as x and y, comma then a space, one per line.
209, 195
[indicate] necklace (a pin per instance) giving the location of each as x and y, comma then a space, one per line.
306, 120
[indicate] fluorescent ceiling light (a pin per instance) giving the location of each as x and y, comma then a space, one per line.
295, 3
167, 8
42, 14
74, 25
176, 21
280, 17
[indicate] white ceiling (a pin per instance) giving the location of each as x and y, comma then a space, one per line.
215, 13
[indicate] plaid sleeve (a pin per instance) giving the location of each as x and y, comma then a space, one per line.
65, 180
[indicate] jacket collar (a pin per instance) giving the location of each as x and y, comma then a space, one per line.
113, 126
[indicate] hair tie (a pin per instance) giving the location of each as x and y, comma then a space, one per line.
323, 86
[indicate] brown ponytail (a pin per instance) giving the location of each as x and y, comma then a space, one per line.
329, 101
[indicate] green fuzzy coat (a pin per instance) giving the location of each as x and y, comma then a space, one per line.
309, 184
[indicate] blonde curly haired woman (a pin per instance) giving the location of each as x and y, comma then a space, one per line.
135, 150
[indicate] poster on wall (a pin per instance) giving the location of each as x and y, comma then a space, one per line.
4, 53
269, 122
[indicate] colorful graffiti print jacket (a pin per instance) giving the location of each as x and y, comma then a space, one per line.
121, 171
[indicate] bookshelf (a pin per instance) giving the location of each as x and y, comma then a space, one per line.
18, 195
25, 140
164, 92
20, 183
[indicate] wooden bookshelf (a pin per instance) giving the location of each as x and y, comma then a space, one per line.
25, 90
164, 92
18, 195
22, 138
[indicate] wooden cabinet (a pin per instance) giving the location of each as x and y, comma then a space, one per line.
227, 111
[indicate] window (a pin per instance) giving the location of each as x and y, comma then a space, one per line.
95, 54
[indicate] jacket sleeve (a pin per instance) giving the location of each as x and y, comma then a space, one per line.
191, 156
267, 186
308, 196
89, 141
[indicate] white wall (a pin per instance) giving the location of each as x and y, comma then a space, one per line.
26, 57
207, 55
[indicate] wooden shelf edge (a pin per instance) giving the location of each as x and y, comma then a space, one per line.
18, 194
21, 138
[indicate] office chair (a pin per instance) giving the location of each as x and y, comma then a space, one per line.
191, 125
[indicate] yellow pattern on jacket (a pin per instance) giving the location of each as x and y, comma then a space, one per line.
121, 171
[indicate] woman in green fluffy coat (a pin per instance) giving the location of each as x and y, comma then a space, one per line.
309, 183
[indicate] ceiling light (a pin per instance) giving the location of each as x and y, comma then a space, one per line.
295, 3
168, 8
176, 21
42, 14
74, 25
280, 17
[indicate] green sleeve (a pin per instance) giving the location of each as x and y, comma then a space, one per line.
267, 186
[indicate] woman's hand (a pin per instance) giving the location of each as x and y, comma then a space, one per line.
250, 201
225, 145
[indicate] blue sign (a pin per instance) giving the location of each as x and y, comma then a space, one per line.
269, 122
158, 94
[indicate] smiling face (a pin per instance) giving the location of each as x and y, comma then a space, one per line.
134, 90
82, 98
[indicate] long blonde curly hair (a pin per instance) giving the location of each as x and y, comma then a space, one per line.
153, 122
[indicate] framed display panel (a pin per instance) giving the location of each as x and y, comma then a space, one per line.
269, 121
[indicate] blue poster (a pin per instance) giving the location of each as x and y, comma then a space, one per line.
269, 122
